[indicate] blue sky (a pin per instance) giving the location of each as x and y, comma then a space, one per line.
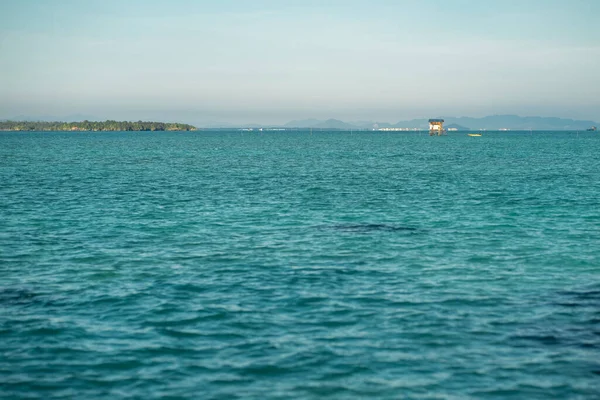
271, 61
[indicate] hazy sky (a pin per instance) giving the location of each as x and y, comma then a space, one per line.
269, 61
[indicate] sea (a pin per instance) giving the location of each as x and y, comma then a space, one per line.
299, 265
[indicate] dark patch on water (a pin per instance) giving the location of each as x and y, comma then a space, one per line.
580, 298
580, 333
565, 338
23, 297
16, 296
541, 338
587, 295
368, 228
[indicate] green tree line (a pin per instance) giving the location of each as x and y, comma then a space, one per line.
93, 126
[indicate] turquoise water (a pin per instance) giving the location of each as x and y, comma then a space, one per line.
290, 265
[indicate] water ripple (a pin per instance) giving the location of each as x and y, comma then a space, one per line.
169, 265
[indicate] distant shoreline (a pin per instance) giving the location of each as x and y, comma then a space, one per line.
93, 126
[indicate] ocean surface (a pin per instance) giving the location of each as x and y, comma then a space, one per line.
272, 265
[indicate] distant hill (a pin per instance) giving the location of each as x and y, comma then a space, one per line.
334, 124
304, 123
492, 122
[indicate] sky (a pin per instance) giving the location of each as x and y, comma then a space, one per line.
271, 61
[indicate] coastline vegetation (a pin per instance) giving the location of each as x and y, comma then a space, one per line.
108, 125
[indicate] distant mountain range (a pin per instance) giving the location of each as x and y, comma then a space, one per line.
492, 122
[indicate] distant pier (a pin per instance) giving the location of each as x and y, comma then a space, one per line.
436, 127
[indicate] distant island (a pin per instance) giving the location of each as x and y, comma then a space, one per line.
93, 126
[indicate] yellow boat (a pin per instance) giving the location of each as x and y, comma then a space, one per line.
474, 134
